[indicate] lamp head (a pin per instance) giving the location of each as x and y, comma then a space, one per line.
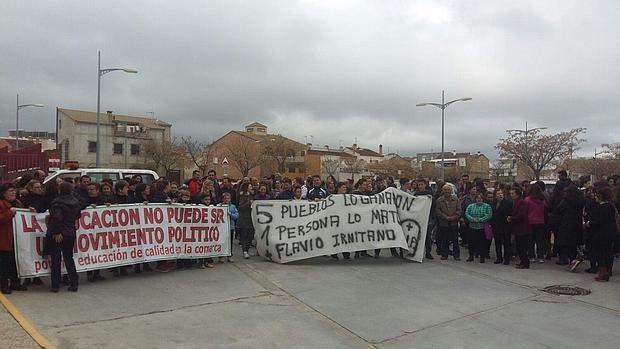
130, 71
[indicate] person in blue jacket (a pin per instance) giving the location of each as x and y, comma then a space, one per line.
233, 215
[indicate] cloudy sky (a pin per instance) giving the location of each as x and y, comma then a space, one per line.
325, 71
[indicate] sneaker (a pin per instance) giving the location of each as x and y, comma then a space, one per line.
574, 264
221, 259
457, 258
230, 259
246, 255
210, 265
201, 266
443, 258
541, 261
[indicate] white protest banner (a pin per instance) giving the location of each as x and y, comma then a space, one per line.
287, 231
116, 235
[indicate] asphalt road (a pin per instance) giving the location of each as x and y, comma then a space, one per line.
321, 303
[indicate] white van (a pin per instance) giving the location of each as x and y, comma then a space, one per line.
97, 174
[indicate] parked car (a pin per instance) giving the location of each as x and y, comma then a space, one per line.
97, 174
549, 185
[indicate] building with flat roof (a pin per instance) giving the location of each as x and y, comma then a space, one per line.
122, 137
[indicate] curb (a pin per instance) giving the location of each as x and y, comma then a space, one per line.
25, 324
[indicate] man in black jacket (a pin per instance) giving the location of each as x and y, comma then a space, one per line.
64, 211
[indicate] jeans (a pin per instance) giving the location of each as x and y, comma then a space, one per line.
63, 251
449, 234
246, 235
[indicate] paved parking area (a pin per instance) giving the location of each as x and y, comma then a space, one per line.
383, 303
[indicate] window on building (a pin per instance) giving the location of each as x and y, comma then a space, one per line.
92, 147
66, 150
135, 149
118, 148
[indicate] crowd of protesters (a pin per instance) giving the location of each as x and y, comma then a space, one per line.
573, 223
577, 221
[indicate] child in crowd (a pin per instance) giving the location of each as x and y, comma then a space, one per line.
233, 215
205, 262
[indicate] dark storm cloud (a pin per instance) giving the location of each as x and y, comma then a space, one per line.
327, 71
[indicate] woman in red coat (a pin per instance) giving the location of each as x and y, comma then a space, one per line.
8, 270
520, 227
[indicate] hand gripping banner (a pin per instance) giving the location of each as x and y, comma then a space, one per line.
116, 235
287, 231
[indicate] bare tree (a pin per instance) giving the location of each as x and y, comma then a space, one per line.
611, 150
331, 167
280, 150
167, 154
244, 154
353, 166
536, 150
199, 153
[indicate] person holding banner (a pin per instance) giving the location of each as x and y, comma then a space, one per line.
233, 214
121, 193
342, 189
142, 194
362, 187
8, 269
317, 192
205, 200
94, 199
423, 189
35, 198
64, 212
244, 223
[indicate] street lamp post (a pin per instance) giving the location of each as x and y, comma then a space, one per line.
20, 106
527, 131
101, 72
443, 105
